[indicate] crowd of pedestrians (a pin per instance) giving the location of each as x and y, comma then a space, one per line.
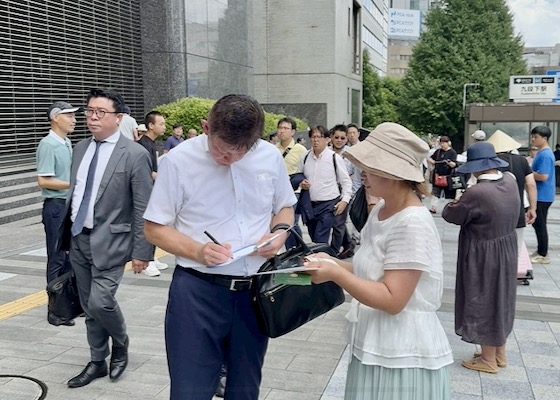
114, 197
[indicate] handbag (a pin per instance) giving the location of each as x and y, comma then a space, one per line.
440, 180
282, 308
456, 181
64, 301
359, 209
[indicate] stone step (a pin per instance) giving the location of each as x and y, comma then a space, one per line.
26, 211
18, 189
13, 203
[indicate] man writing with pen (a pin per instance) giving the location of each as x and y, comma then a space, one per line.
233, 185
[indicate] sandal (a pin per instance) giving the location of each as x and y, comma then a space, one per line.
479, 364
501, 359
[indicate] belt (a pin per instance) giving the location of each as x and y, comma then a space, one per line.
86, 231
55, 200
318, 203
233, 283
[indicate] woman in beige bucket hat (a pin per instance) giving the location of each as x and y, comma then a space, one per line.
396, 278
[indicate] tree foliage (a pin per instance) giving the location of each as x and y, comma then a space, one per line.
188, 112
465, 42
380, 96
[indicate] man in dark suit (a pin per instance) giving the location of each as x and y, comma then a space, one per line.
110, 184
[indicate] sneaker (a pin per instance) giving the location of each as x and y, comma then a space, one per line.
159, 265
538, 259
152, 269
479, 364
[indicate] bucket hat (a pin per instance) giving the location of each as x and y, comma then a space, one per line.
503, 143
391, 151
481, 156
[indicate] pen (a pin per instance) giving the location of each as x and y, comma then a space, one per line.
212, 238
270, 240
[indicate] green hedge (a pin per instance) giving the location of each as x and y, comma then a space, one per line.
188, 111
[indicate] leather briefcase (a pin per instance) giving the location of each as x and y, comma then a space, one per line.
282, 308
64, 301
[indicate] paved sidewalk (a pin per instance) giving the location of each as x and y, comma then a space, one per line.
308, 364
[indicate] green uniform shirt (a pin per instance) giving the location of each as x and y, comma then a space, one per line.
54, 158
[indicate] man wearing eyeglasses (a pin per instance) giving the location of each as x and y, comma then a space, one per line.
216, 193
110, 184
292, 152
340, 235
324, 170
54, 156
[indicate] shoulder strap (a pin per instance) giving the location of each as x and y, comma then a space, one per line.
334, 164
286, 152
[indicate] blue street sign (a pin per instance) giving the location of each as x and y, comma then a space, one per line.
557, 73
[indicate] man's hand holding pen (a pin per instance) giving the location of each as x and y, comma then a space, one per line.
214, 252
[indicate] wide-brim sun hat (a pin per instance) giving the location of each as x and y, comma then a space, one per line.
502, 142
391, 151
481, 156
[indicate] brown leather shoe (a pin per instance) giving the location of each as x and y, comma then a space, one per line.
501, 359
480, 364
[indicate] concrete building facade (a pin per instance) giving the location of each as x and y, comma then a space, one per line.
308, 57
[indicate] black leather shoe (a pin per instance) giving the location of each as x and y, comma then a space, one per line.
119, 361
57, 321
90, 372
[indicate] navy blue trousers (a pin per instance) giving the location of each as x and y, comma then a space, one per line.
207, 325
53, 215
320, 226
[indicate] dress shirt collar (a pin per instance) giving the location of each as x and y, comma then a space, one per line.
114, 138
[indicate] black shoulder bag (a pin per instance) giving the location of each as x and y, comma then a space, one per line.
282, 308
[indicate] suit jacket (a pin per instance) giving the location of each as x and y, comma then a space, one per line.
124, 191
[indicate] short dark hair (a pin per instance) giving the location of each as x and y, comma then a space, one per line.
150, 118
271, 135
111, 94
543, 131
353, 125
238, 120
444, 139
175, 126
321, 129
289, 121
340, 128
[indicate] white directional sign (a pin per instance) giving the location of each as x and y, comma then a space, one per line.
533, 88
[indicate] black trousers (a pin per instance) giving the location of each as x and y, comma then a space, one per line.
540, 227
53, 214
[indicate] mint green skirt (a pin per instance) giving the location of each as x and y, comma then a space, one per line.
372, 382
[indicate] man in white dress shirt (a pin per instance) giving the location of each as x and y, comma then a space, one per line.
324, 171
236, 193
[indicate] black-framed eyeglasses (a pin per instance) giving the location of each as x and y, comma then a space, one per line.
88, 112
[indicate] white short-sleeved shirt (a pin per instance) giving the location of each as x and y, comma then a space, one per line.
235, 204
414, 338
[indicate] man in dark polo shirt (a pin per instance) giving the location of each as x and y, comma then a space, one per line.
155, 125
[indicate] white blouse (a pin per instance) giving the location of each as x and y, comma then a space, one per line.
414, 338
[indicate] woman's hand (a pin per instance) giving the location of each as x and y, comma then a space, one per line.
326, 268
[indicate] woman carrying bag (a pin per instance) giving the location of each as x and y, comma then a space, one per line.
444, 160
399, 348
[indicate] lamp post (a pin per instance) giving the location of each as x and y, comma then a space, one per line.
465, 86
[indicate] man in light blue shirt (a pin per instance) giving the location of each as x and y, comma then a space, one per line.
543, 171
54, 157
